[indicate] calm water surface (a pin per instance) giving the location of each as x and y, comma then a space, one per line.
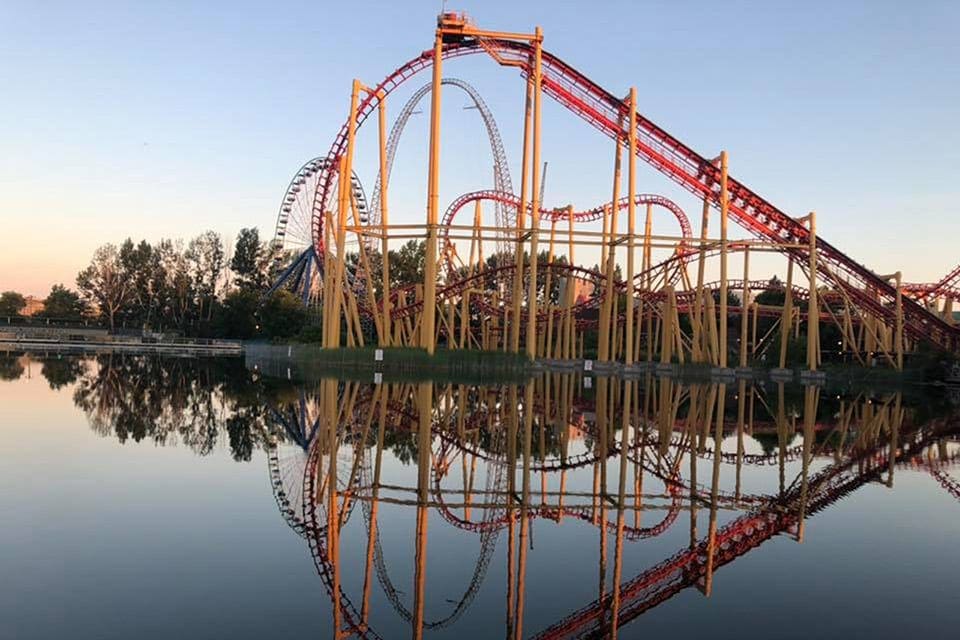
158, 498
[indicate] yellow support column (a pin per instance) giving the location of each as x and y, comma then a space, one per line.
724, 247
898, 329
534, 199
344, 203
744, 315
384, 244
787, 318
328, 270
666, 345
427, 323
701, 352
899, 276
548, 336
609, 307
514, 343
570, 337
813, 306
631, 226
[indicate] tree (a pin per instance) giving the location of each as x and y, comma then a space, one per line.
774, 294
248, 265
103, 283
236, 318
11, 303
178, 304
733, 299
140, 270
63, 303
407, 265
205, 263
283, 315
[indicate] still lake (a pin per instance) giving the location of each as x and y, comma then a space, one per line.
149, 497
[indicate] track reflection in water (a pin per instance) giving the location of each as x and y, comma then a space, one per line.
631, 458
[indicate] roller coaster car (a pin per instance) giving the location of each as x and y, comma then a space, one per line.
452, 24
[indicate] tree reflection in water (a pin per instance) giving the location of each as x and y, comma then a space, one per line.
188, 401
60, 371
11, 367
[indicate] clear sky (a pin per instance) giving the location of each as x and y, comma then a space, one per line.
165, 119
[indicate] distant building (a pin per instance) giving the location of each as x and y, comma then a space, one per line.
582, 290
33, 306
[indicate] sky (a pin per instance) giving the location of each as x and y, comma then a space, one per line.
161, 120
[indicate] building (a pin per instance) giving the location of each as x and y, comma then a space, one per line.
33, 307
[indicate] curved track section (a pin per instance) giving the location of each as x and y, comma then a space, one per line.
501, 169
512, 202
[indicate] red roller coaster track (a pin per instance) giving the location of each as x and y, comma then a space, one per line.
512, 201
695, 173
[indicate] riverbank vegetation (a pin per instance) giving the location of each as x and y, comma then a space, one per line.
192, 289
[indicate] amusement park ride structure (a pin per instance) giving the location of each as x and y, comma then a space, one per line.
657, 311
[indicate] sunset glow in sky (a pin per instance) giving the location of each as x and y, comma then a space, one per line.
156, 120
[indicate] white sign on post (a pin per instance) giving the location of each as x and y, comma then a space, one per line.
378, 355
588, 383
377, 377
588, 365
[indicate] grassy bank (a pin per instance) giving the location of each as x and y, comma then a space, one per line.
310, 362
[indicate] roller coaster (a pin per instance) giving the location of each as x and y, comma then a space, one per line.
337, 243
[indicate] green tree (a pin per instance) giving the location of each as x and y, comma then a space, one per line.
408, 263
104, 284
179, 302
140, 270
63, 303
11, 303
733, 299
283, 315
248, 263
205, 258
773, 295
236, 317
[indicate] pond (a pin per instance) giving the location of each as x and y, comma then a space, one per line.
154, 497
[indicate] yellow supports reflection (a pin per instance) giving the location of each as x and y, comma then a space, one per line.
424, 449
631, 424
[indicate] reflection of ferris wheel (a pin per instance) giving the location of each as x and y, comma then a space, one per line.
286, 464
287, 460
295, 248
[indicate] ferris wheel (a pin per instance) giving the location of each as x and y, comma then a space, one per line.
297, 252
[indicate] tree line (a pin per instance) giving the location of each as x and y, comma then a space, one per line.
190, 289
